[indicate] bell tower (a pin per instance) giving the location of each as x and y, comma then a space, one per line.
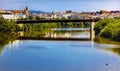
26, 12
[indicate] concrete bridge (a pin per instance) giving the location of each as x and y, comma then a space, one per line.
92, 23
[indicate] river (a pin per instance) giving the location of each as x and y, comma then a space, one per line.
47, 55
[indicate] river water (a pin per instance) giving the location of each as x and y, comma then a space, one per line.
42, 55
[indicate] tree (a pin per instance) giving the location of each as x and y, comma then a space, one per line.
37, 18
30, 18
108, 28
8, 25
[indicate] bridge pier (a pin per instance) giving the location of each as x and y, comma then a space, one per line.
92, 32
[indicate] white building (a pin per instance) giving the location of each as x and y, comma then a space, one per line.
7, 16
12, 16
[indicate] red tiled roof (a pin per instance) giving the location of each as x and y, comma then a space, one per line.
17, 11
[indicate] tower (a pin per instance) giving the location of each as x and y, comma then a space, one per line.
26, 12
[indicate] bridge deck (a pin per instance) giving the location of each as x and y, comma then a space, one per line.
50, 21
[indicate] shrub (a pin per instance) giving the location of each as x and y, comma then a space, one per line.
109, 28
100, 25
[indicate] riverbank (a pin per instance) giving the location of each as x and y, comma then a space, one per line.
108, 28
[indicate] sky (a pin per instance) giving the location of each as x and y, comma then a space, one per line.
61, 5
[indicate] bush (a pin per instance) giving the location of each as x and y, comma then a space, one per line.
100, 25
8, 25
109, 28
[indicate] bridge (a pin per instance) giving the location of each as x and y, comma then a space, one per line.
50, 21
92, 23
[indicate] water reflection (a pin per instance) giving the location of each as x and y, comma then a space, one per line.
58, 55
34, 55
101, 40
7, 38
60, 33
108, 45
115, 50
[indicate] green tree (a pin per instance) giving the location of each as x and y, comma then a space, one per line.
108, 28
30, 18
37, 18
8, 25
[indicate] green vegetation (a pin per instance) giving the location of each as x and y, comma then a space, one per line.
38, 30
108, 28
58, 25
8, 32
7, 38
43, 29
7, 26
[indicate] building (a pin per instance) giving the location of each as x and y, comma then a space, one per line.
7, 15
18, 14
14, 14
2, 11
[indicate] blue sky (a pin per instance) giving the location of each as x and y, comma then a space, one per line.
61, 5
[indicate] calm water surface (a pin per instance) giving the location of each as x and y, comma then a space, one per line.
37, 55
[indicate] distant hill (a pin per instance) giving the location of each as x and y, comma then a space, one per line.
35, 12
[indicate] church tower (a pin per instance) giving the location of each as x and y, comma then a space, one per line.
26, 12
